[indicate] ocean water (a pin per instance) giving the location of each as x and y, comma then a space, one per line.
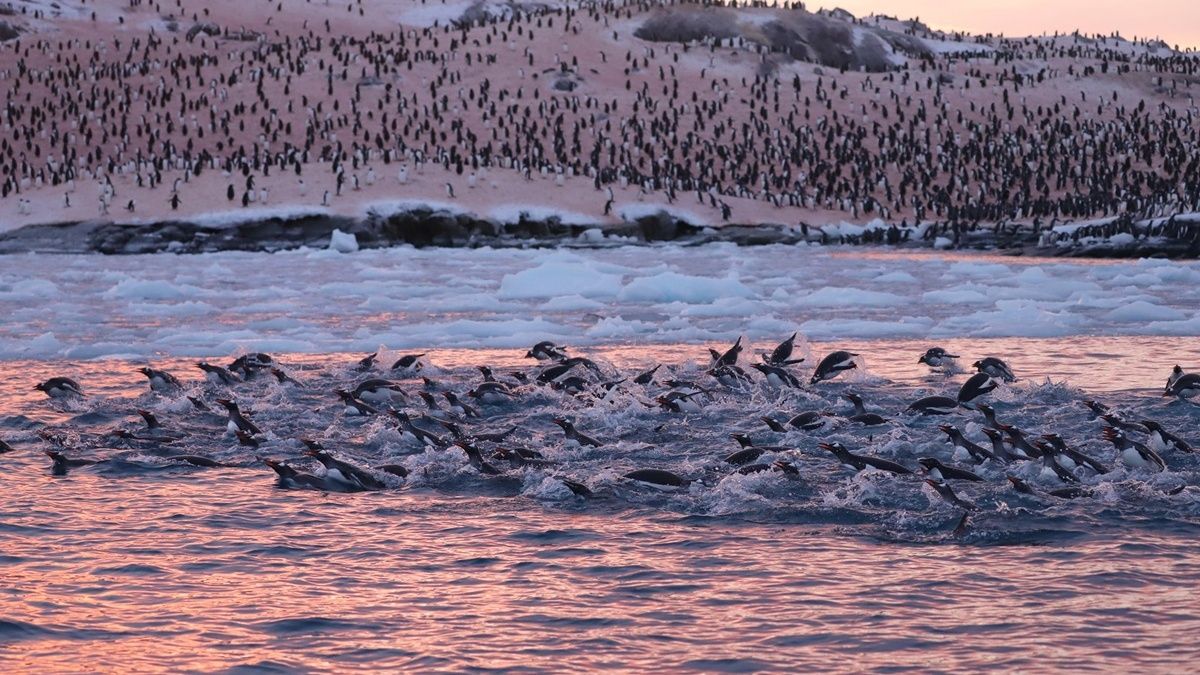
142, 562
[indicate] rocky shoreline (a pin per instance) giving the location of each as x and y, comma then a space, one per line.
432, 227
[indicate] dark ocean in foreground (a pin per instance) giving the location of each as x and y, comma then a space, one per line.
145, 563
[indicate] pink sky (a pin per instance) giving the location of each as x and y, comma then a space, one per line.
1176, 21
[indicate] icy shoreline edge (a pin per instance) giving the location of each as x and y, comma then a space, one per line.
433, 227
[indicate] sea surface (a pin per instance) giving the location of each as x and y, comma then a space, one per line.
145, 563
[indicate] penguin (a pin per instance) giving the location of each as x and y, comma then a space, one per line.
546, 351
574, 434
1184, 388
680, 402
283, 378
989, 414
1176, 373
658, 478
5, 448
996, 368
197, 460
450, 191
860, 462
459, 406
744, 441
1016, 438
730, 376
367, 363
151, 421
340, 471
60, 387
287, 477
415, 434
936, 357
1067, 455
379, 391
1097, 409
808, 421
730, 357
933, 405
647, 377
552, 373
1071, 492
160, 380
999, 449
398, 470
1051, 467
1134, 454
217, 374
248, 365
1162, 440
774, 425
776, 376
861, 416
492, 392
833, 364
61, 463
941, 472
238, 421
977, 385
1121, 424
431, 402
782, 355
977, 453
577, 488
475, 458
354, 407
744, 456
485, 437
947, 494
409, 364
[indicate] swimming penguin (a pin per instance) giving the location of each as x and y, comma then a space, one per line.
574, 434
1070, 492
744, 441
61, 463
60, 387
415, 434
485, 437
648, 376
977, 453
744, 456
546, 351
782, 355
160, 380
217, 374
659, 478
809, 421
1016, 438
409, 364
579, 489
151, 421
774, 425
288, 477
380, 391
999, 449
1176, 373
1162, 440
941, 472
933, 405
680, 401
395, 469
5, 448
492, 392
283, 378
248, 440
977, 385
459, 406
340, 471
1123, 425
238, 421
860, 462
367, 363
730, 357
996, 368
1067, 455
1051, 467
248, 365
1097, 409
989, 414
1186, 387
1134, 454
861, 416
947, 494
730, 376
776, 376
355, 407
936, 357
833, 364
431, 402
552, 373
475, 458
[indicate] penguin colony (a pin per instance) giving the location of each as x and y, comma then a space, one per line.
429, 417
211, 104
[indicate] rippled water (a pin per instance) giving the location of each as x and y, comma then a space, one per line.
144, 563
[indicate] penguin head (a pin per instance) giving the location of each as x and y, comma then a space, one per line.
948, 429
929, 463
563, 422
834, 447
853, 398
146, 371
314, 448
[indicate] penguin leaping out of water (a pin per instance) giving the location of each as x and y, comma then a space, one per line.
60, 387
833, 364
996, 368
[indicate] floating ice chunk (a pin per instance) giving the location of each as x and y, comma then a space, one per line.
1140, 310
836, 296
675, 287
343, 242
557, 277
